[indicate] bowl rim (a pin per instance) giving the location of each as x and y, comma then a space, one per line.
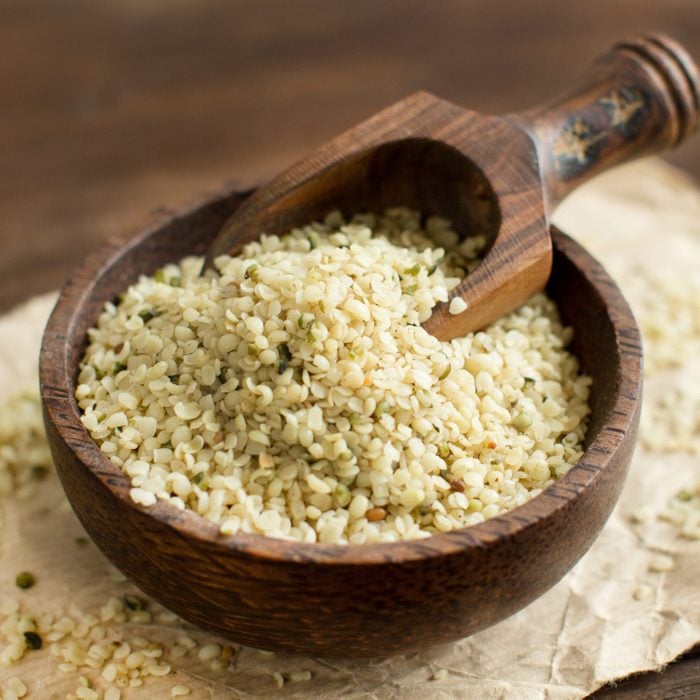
62, 413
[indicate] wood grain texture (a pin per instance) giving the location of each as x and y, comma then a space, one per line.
112, 109
334, 600
639, 98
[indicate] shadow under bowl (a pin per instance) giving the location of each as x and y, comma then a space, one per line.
336, 600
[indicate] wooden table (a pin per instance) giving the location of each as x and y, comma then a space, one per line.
111, 109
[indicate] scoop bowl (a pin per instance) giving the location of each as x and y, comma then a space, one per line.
336, 600
500, 176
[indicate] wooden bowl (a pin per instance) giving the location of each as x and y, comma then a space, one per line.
334, 600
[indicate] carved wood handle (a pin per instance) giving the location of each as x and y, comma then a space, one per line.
638, 99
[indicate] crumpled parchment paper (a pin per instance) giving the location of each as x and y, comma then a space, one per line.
611, 616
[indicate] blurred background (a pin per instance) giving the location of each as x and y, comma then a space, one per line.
111, 109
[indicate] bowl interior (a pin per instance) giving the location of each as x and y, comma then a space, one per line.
420, 173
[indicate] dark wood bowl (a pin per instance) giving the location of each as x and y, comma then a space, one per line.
334, 600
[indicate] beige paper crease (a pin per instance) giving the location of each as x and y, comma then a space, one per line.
591, 628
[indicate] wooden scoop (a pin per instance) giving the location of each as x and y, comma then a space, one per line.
495, 176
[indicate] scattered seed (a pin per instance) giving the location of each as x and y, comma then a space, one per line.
25, 580
39, 472
134, 602
458, 306
375, 515
661, 563
33, 640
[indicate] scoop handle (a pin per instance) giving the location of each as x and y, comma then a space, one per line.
639, 98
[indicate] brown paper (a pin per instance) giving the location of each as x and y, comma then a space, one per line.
588, 630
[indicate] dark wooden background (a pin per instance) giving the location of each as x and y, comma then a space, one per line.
111, 108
